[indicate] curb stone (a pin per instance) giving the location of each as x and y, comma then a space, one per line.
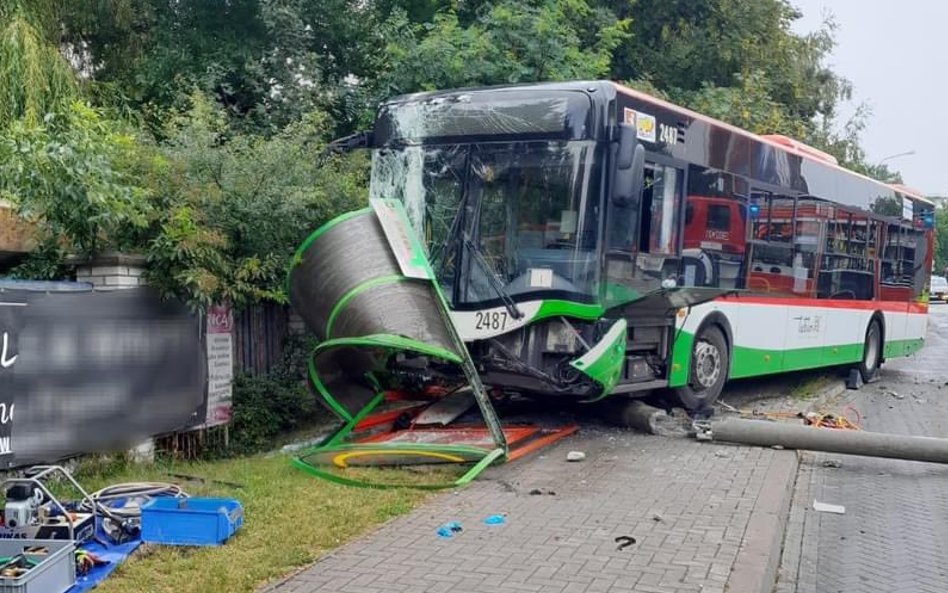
756, 566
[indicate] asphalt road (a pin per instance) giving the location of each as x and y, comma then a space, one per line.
894, 533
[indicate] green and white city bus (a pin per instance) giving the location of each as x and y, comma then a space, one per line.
593, 240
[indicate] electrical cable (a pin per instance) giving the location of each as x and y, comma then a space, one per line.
119, 505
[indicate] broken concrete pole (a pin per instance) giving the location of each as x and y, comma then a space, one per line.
851, 442
641, 416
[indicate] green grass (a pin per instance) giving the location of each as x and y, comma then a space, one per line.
290, 520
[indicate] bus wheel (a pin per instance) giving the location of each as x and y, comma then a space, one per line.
710, 363
872, 352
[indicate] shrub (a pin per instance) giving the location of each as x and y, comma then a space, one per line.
271, 404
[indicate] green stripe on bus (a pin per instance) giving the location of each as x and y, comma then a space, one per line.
558, 308
751, 362
754, 362
681, 359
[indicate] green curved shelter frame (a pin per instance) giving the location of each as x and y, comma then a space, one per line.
413, 267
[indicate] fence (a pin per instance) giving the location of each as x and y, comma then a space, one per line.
259, 333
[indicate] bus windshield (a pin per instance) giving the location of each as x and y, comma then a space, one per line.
501, 220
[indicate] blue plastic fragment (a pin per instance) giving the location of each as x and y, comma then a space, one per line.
495, 520
448, 530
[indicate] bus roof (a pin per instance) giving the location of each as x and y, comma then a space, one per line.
782, 143
776, 141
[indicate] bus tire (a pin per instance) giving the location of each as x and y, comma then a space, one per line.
872, 351
710, 364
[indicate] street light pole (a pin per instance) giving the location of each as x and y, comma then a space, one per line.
895, 156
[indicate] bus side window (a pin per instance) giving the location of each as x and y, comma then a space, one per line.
920, 263
771, 243
714, 231
811, 223
891, 286
847, 268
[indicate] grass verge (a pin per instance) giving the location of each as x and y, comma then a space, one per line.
290, 519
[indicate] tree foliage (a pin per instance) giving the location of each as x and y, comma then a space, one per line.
72, 173
188, 130
35, 78
511, 42
687, 45
941, 240
235, 206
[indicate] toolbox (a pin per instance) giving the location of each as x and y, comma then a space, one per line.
190, 521
54, 570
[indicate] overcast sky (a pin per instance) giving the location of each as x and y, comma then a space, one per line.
895, 55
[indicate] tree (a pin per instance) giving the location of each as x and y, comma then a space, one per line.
510, 42
232, 207
71, 174
941, 240
685, 45
35, 78
220, 183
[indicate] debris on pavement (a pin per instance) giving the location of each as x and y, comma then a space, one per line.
657, 518
495, 520
834, 463
507, 486
826, 420
446, 410
721, 454
448, 530
538, 492
822, 507
894, 394
624, 541
575, 456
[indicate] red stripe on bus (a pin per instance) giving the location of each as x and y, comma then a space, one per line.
890, 306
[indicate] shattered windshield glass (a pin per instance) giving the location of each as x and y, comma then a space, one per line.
499, 114
501, 219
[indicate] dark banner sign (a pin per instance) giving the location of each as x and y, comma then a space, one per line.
90, 371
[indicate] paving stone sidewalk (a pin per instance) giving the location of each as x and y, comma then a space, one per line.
687, 504
893, 536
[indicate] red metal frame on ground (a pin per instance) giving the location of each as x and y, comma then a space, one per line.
522, 440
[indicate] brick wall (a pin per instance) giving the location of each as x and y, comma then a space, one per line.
112, 271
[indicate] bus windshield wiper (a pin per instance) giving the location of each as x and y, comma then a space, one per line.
492, 278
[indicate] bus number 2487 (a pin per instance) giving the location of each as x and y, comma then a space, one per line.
490, 320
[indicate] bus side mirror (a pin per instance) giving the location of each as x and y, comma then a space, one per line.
346, 144
629, 169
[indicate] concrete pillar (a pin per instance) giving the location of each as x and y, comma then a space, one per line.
112, 271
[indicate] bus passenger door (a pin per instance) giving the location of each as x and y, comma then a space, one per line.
809, 325
642, 250
658, 249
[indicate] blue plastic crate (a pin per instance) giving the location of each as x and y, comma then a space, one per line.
190, 521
